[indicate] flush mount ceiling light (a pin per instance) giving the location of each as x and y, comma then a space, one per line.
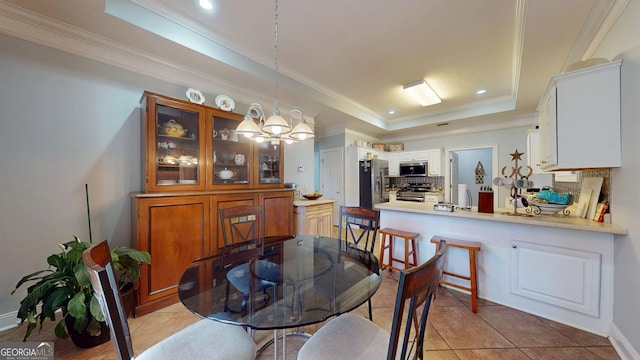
422, 93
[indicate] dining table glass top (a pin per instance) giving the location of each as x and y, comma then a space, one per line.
291, 282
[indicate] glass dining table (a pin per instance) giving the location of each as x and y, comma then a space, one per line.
290, 282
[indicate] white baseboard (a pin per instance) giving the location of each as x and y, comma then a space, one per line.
9, 320
622, 345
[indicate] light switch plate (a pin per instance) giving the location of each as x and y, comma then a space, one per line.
300, 168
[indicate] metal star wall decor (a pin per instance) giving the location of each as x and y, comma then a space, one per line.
516, 155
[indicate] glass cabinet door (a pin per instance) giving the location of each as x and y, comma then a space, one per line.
231, 156
178, 147
269, 165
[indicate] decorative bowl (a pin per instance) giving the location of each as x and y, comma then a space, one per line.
313, 196
551, 208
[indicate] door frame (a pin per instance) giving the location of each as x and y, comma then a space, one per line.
494, 168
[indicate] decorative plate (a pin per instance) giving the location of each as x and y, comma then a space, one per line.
225, 103
195, 96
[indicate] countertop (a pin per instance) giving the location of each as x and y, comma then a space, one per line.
507, 216
305, 202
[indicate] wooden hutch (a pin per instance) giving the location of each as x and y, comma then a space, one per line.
193, 166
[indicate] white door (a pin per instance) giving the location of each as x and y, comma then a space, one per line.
332, 177
453, 160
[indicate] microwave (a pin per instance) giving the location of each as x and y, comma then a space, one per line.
414, 169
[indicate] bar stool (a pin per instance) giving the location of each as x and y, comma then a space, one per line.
472, 247
410, 258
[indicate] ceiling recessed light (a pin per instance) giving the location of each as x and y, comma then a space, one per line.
391, 111
206, 4
480, 92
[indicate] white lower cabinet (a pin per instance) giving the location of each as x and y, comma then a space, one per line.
564, 277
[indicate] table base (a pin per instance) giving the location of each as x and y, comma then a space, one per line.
279, 343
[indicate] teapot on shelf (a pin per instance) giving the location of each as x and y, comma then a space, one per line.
226, 174
172, 128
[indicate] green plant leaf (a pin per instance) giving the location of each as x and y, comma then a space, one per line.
57, 261
77, 306
80, 324
60, 330
96, 309
58, 297
30, 277
82, 276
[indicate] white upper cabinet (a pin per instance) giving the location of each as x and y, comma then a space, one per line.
420, 155
435, 162
394, 164
580, 119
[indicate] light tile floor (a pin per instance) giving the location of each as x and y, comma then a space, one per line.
455, 332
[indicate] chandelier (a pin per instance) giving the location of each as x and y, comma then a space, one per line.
276, 128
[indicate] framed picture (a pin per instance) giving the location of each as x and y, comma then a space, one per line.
396, 147
381, 147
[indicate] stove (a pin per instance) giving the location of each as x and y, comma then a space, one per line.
413, 192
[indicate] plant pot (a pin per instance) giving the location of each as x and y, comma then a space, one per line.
128, 299
83, 339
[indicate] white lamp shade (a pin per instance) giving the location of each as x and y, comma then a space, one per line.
301, 131
276, 124
248, 127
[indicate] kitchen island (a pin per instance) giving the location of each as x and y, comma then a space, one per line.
554, 266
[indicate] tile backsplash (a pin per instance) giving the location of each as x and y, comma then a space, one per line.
574, 187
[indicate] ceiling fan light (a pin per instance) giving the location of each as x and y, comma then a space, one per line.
422, 93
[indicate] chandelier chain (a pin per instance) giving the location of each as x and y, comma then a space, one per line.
275, 68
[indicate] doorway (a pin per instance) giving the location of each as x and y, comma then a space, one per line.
473, 166
331, 173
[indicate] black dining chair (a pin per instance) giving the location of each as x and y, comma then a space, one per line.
206, 339
351, 336
359, 227
242, 230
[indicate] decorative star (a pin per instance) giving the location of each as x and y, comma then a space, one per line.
516, 155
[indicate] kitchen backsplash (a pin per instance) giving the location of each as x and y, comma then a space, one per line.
574, 187
401, 180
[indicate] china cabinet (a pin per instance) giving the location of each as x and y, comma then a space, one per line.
194, 164
189, 146
173, 143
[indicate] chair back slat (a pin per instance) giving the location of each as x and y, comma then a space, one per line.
242, 229
97, 260
359, 226
416, 286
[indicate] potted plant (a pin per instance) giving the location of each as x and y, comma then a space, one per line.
65, 286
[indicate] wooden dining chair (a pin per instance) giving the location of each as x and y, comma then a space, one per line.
351, 336
242, 231
206, 339
359, 226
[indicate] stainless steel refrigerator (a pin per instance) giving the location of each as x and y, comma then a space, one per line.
373, 190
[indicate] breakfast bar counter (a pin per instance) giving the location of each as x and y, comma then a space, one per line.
554, 266
507, 216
